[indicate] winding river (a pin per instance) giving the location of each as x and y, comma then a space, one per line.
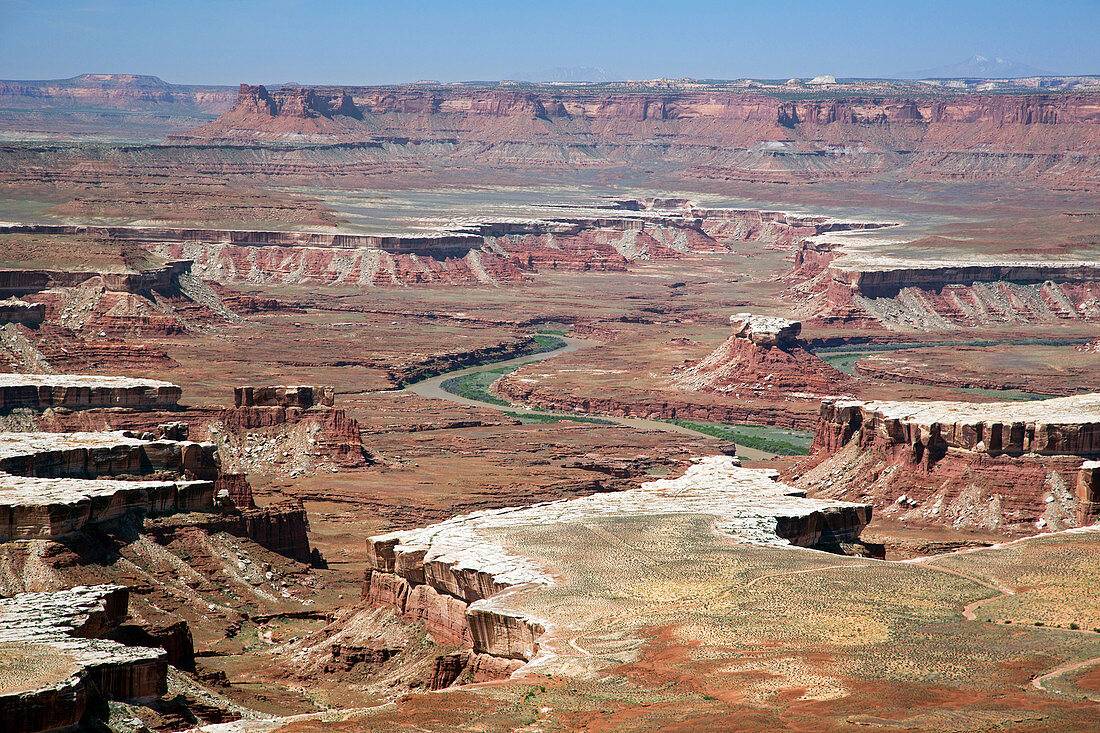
433, 388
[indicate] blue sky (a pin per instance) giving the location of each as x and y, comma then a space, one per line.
344, 42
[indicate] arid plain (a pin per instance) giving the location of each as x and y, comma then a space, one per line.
627, 406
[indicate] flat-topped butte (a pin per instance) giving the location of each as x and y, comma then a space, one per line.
765, 330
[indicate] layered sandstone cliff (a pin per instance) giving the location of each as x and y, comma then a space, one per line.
1013, 466
445, 574
53, 483
22, 282
59, 665
76, 392
871, 283
718, 133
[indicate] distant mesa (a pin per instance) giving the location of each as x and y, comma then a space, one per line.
289, 111
823, 80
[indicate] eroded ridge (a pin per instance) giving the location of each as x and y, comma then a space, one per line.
50, 483
57, 662
1059, 426
443, 573
78, 391
1008, 465
871, 281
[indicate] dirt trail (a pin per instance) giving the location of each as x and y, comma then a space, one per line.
1003, 591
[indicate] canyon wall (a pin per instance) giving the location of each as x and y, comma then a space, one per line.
61, 664
1014, 467
452, 577
350, 135
716, 133
901, 293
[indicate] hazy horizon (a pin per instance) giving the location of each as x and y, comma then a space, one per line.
332, 42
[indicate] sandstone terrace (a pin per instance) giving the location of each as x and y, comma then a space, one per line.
668, 614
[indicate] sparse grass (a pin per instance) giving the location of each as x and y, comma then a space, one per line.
772, 440
547, 341
845, 358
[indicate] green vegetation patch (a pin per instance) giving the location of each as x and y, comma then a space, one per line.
547, 341
780, 441
476, 386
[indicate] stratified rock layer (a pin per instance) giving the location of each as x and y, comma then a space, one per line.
1059, 426
41, 391
1015, 467
300, 396
70, 624
442, 574
50, 483
764, 357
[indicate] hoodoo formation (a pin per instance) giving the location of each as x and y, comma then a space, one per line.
678, 404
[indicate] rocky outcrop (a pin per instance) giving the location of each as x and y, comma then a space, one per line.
63, 665
282, 527
1013, 467
289, 111
33, 508
764, 358
300, 396
333, 434
1060, 426
22, 282
236, 488
1088, 493
765, 330
76, 392
21, 312
51, 483
857, 287
447, 574
888, 279
94, 455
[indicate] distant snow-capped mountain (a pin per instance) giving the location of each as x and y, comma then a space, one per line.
976, 67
